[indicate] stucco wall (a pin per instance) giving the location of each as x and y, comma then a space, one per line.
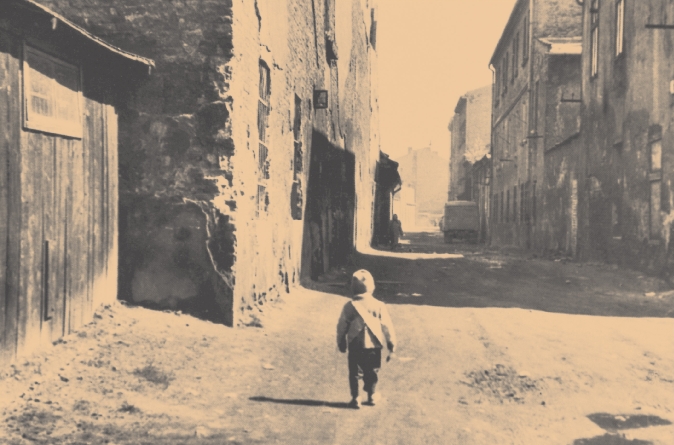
626, 110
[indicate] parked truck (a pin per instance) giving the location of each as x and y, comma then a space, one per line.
461, 221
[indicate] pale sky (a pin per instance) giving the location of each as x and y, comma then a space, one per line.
430, 53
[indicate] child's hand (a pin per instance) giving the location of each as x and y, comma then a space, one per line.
390, 356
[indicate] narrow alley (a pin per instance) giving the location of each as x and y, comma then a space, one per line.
495, 347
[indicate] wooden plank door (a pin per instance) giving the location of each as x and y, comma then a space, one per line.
6, 344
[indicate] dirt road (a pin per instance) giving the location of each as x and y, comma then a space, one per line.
494, 349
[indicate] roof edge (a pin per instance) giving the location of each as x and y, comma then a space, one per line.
86, 34
508, 26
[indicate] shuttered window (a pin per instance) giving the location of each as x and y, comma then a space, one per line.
594, 38
263, 151
619, 27
51, 94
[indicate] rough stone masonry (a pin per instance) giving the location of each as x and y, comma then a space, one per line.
220, 148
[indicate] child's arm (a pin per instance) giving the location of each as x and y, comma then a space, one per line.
387, 327
342, 329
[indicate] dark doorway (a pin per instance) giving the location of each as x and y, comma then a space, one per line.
329, 214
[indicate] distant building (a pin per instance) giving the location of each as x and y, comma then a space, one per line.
627, 134
470, 140
481, 180
387, 180
405, 206
426, 172
535, 111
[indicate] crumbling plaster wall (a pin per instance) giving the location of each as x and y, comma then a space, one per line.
626, 108
457, 152
478, 129
470, 139
359, 104
557, 18
559, 218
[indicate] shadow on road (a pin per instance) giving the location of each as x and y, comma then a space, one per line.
301, 402
611, 439
432, 273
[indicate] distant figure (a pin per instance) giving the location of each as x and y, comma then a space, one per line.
395, 231
365, 326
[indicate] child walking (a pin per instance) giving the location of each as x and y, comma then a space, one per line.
365, 327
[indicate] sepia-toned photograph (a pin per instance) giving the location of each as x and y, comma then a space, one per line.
305, 222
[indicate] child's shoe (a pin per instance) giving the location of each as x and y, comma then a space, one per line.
371, 400
354, 403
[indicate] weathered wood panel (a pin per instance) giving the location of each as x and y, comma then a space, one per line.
111, 122
77, 232
12, 283
5, 88
88, 142
58, 258
49, 236
98, 210
30, 291
58, 218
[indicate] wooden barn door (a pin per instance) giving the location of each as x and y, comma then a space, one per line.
45, 184
8, 81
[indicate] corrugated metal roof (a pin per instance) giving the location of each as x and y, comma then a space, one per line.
86, 34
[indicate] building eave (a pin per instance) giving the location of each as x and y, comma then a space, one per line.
32, 4
507, 30
563, 45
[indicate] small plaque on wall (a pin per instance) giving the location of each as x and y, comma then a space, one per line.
320, 99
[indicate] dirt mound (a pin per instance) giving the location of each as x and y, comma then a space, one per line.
502, 383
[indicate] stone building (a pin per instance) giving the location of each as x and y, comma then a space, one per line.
388, 184
535, 108
470, 129
248, 160
425, 170
627, 135
481, 180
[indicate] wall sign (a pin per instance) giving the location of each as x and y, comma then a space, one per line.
320, 99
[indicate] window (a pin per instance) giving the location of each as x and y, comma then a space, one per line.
523, 201
297, 136
594, 38
656, 156
507, 215
656, 188
534, 111
525, 40
296, 195
51, 94
501, 207
494, 200
533, 202
516, 50
504, 80
262, 124
619, 27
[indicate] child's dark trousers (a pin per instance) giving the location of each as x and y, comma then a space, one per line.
368, 361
